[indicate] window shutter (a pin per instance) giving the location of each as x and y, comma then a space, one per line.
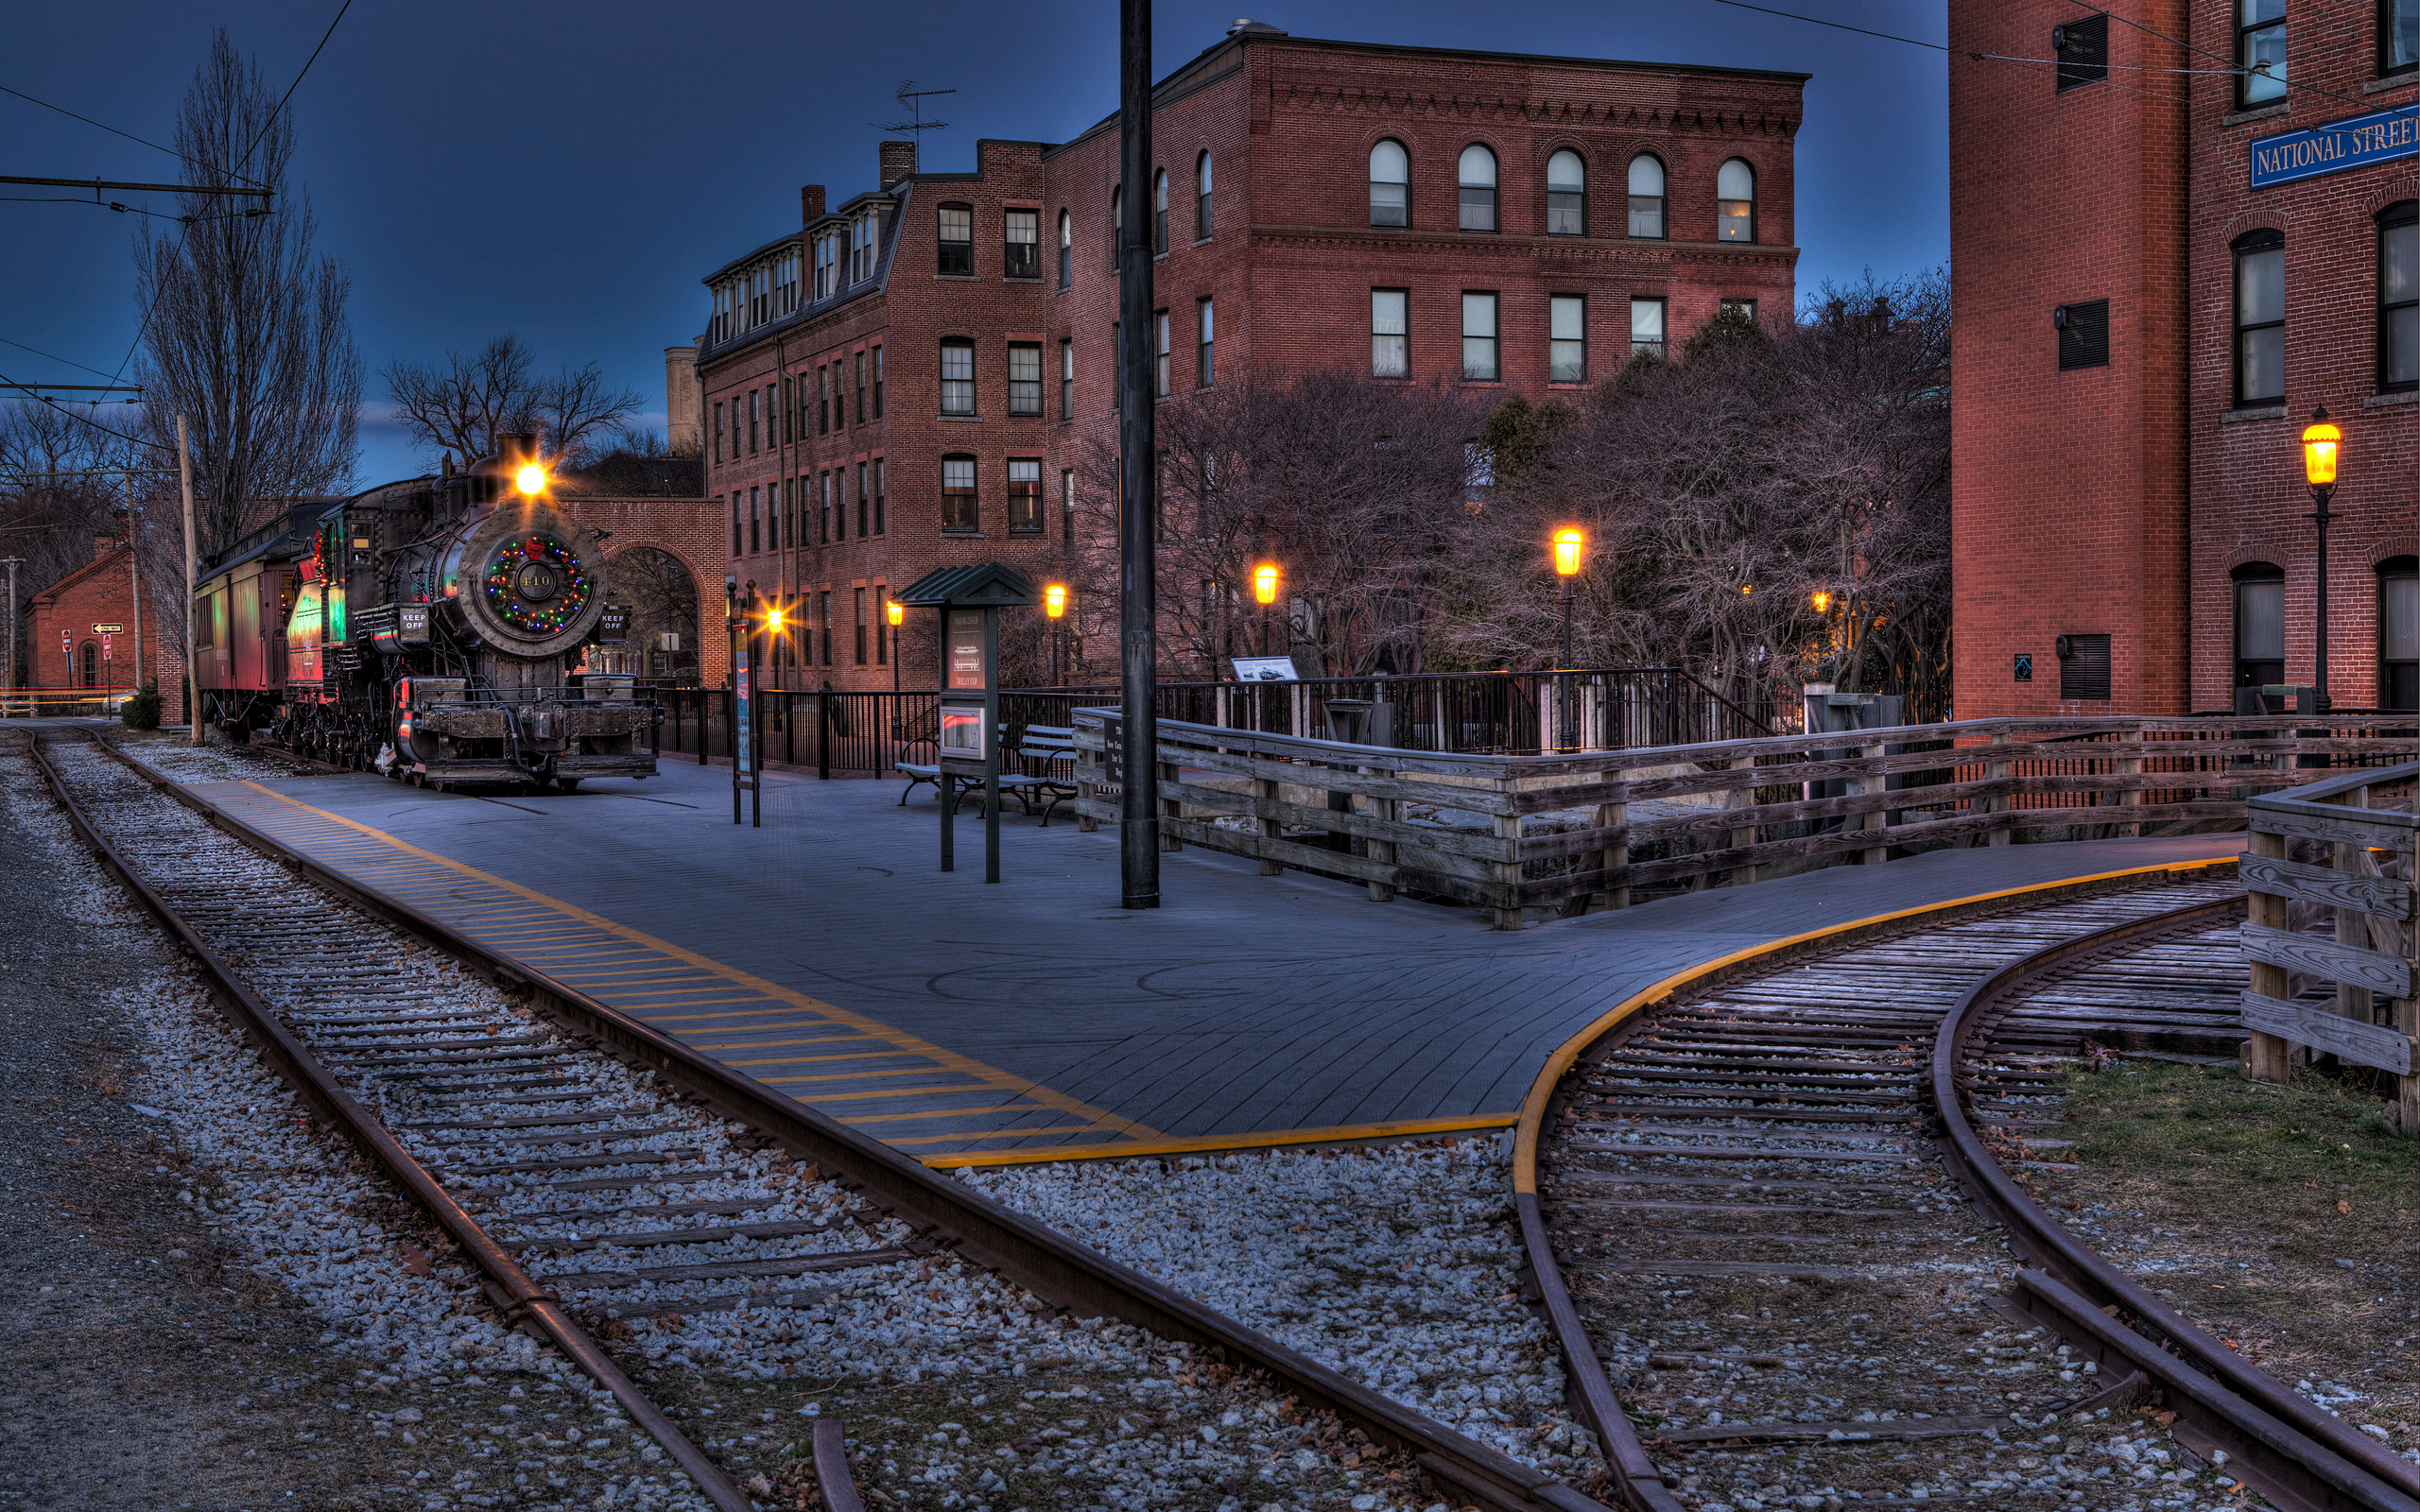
2083, 334
2084, 667
2081, 48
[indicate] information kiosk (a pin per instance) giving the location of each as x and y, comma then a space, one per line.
969, 600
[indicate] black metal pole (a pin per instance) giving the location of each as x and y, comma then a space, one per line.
2319, 517
1138, 839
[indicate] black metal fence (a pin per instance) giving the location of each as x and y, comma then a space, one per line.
1489, 713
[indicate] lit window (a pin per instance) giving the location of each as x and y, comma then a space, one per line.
1202, 362
1735, 190
1160, 211
958, 377
2399, 296
1477, 181
1390, 185
1390, 334
1201, 198
957, 494
958, 239
1647, 327
1066, 248
1566, 194
1021, 244
2260, 319
1024, 497
2260, 51
1024, 378
1647, 197
1479, 338
1567, 339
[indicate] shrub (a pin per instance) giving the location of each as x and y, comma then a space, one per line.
142, 712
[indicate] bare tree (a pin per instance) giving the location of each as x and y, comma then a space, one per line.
246, 332
462, 402
62, 486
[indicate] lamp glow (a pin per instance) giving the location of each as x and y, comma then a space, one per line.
1568, 543
1054, 600
894, 612
2320, 440
530, 480
1823, 601
773, 620
1264, 583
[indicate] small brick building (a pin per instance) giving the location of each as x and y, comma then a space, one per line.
2145, 326
64, 646
915, 377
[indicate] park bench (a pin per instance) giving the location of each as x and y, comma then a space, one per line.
1040, 750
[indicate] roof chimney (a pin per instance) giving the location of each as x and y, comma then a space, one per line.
898, 161
810, 203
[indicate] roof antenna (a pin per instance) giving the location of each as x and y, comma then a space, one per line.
912, 99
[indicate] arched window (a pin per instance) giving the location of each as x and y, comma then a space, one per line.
1201, 198
958, 239
2399, 298
1477, 181
958, 377
1647, 197
1066, 248
1566, 194
2259, 625
2259, 318
1735, 193
1160, 213
2399, 634
92, 665
959, 512
1390, 184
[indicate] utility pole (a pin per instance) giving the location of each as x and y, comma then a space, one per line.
1138, 833
13, 562
193, 672
134, 573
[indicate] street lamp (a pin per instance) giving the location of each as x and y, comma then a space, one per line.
530, 480
1054, 604
2320, 442
1570, 544
1822, 599
1264, 590
896, 613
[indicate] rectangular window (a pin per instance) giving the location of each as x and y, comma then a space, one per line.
2083, 672
735, 538
773, 513
788, 434
956, 240
1024, 497
2260, 319
755, 527
1067, 506
717, 430
958, 377
1745, 309
1647, 327
881, 625
1024, 378
2260, 51
823, 617
824, 508
1567, 339
793, 507
1479, 338
1066, 380
877, 382
859, 595
959, 512
2399, 637
862, 501
1205, 367
2399, 297
822, 401
1021, 244
1390, 334
2081, 48
1160, 353
840, 502
861, 387
756, 415
2083, 334
2398, 41
878, 492
1117, 361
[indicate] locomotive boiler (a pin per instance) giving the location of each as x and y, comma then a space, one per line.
429, 630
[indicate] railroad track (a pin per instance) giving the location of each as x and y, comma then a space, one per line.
1770, 1207
604, 1178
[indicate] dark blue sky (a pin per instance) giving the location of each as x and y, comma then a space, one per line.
568, 172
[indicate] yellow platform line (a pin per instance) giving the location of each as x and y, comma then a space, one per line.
804, 1061
946, 1113
1533, 1107
943, 1058
1265, 1139
792, 1060
1004, 1134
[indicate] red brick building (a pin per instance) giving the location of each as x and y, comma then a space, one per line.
912, 379
2146, 323
66, 648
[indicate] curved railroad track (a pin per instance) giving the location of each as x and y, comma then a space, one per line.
1748, 1198
599, 1173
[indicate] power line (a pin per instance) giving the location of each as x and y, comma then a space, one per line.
129, 210
7, 382
53, 356
89, 121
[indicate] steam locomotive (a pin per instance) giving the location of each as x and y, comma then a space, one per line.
427, 629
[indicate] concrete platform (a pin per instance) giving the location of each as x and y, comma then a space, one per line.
826, 956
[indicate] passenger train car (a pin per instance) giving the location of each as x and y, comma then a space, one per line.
429, 629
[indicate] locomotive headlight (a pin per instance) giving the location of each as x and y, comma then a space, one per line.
530, 480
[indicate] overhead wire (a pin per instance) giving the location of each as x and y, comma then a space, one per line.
106, 127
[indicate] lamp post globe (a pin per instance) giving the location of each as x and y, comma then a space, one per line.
2322, 442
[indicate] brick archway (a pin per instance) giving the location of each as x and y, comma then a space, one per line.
688, 530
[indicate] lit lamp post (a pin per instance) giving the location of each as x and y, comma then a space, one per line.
1264, 592
2320, 441
896, 613
1054, 604
1570, 544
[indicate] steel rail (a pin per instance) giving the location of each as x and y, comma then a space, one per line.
990, 1236
521, 1297
2286, 1447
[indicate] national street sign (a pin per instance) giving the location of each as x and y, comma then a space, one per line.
108, 629
2352, 143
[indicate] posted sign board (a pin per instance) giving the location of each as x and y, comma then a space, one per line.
1266, 669
965, 650
2352, 143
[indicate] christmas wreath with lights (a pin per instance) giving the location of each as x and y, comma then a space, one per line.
536, 584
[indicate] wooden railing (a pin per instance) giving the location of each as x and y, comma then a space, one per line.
2345, 847
1528, 834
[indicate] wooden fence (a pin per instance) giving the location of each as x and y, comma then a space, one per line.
1528, 835
2345, 847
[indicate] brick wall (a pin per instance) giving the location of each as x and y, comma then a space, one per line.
689, 529
99, 593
